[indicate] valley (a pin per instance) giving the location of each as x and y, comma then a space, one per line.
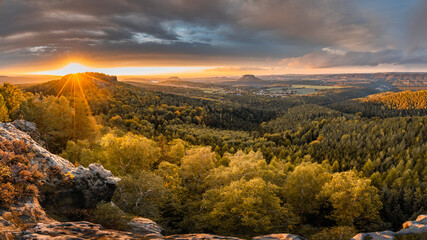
194, 148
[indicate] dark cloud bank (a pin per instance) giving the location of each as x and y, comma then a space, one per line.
313, 33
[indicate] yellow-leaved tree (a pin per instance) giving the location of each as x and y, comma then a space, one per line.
353, 199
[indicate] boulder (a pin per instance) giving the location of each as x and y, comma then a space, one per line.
385, 235
94, 183
279, 236
415, 227
145, 226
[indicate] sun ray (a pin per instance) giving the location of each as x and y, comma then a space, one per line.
63, 87
53, 86
74, 105
84, 97
60, 91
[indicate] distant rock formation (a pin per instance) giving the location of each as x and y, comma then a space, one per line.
250, 79
174, 78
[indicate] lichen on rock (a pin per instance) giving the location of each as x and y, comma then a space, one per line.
87, 187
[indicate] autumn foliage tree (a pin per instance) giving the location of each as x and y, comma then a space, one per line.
10, 98
353, 199
18, 178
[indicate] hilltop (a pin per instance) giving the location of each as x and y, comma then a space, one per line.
75, 82
401, 100
250, 79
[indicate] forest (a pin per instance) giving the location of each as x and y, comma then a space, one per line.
237, 165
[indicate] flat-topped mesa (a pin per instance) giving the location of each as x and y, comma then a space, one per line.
250, 79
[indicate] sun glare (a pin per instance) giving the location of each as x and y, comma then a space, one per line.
78, 68
70, 68
74, 84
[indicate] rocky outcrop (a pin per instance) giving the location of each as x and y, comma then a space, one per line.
419, 226
385, 235
279, 236
144, 226
74, 230
415, 227
94, 183
199, 236
43, 158
31, 129
64, 186
88, 185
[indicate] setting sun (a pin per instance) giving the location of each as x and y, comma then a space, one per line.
79, 68
70, 68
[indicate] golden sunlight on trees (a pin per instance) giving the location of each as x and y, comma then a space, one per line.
4, 113
244, 166
303, 186
10, 99
12, 96
142, 194
129, 154
177, 150
354, 200
245, 206
58, 120
195, 166
401, 100
241, 168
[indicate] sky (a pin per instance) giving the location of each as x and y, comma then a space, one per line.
212, 37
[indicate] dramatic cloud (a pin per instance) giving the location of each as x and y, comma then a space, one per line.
417, 31
311, 33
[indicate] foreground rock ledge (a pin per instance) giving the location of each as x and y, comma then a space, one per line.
279, 236
417, 227
90, 185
